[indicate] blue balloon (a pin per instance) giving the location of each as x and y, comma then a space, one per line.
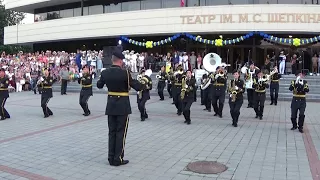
265, 35
247, 36
194, 38
251, 34
318, 38
262, 34
269, 37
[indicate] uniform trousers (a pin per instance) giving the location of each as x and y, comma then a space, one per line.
274, 91
250, 94
218, 107
118, 126
186, 105
83, 101
44, 104
161, 86
142, 107
169, 89
298, 104
235, 110
4, 112
259, 99
207, 96
64, 84
177, 99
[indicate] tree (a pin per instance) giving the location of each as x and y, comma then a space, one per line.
9, 18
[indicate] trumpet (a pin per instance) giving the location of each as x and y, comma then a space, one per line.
299, 80
158, 76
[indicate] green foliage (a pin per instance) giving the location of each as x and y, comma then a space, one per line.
10, 18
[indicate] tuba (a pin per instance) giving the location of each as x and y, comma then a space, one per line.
210, 63
233, 91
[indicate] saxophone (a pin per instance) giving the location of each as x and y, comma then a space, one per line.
233, 91
183, 88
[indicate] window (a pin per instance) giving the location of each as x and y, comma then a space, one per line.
150, 4
131, 6
77, 12
98, 9
40, 17
66, 13
113, 8
266, 1
191, 3
217, 2
311, 1
240, 1
289, 1
170, 3
85, 11
203, 3
53, 15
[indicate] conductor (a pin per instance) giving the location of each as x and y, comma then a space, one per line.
118, 82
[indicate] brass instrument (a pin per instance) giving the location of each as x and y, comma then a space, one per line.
158, 76
262, 80
183, 88
233, 91
145, 81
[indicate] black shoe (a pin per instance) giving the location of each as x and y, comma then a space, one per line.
271, 103
8, 117
293, 128
249, 106
275, 104
185, 121
124, 162
170, 97
189, 122
260, 117
50, 114
257, 116
172, 103
215, 114
45, 116
301, 130
179, 113
2, 118
220, 116
161, 99
86, 114
202, 104
209, 110
146, 116
235, 125
205, 109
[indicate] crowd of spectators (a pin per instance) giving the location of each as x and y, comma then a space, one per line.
24, 69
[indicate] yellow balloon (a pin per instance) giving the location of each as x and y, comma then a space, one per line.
218, 42
149, 44
296, 42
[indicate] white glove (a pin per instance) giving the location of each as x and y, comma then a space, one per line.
41, 79
216, 76
186, 86
236, 87
166, 81
301, 82
80, 75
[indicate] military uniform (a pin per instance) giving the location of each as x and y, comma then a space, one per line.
250, 91
208, 93
86, 92
274, 88
143, 97
177, 92
236, 105
4, 95
202, 92
298, 103
218, 93
259, 97
188, 98
169, 77
46, 86
161, 84
118, 82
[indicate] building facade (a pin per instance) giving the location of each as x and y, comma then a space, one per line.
96, 23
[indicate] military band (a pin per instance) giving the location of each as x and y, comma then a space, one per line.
236, 89
144, 95
260, 85
219, 82
85, 80
178, 75
45, 83
187, 95
4, 94
274, 86
207, 87
250, 74
162, 77
299, 87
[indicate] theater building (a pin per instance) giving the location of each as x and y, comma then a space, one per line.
248, 28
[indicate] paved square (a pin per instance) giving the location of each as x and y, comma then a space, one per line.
69, 146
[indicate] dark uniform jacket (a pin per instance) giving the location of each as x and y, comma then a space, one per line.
86, 83
46, 86
219, 84
189, 94
4, 84
146, 91
299, 90
118, 80
274, 79
241, 89
178, 80
259, 88
163, 76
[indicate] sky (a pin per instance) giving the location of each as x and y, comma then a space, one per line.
28, 19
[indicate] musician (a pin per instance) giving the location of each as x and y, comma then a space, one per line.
144, 95
249, 76
169, 77
236, 90
46, 86
207, 92
196, 87
274, 86
294, 63
219, 91
4, 94
203, 92
282, 59
177, 89
118, 82
161, 82
187, 95
85, 80
300, 88
173, 88
260, 85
